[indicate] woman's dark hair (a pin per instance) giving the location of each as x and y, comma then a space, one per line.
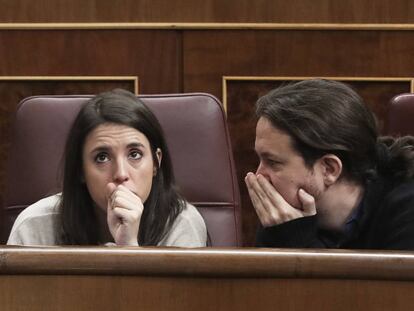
79, 223
323, 116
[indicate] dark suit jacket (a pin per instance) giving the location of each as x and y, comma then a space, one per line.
386, 222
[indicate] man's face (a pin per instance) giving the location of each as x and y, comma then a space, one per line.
283, 166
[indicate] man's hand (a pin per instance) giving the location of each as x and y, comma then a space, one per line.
124, 211
271, 208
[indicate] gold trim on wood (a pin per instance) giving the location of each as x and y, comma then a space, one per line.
195, 26
290, 78
133, 79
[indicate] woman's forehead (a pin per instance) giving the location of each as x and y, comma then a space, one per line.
112, 134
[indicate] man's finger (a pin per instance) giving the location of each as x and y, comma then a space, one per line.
308, 203
257, 188
267, 213
256, 200
270, 191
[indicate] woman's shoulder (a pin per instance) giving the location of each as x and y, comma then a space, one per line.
191, 214
188, 230
43, 207
36, 223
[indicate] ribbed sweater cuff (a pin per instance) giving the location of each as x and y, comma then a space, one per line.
297, 233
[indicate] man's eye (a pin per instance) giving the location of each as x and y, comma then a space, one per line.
135, 155
101, 157
273, 163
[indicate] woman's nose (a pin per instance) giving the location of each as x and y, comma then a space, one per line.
120, 171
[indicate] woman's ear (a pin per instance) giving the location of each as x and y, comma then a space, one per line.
158, 154
331, 168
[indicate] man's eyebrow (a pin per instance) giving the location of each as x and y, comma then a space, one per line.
266, 154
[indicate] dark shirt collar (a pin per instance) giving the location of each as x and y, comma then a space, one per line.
352, 224
354, 219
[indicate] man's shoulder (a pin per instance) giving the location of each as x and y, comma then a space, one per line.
400, 189
395, 200
382, 188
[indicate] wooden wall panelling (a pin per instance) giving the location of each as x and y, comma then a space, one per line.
245, 11
153, 55
211, 54
240, 95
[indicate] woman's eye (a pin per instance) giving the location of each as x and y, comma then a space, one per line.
101, 158
135, 155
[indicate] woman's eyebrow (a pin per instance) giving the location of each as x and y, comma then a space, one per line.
107, 148
100, 148
135, 145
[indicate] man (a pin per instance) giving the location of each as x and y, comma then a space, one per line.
325, 178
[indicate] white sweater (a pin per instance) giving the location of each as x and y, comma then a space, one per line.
38, 225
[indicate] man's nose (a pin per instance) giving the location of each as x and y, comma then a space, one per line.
261, 169
120, 171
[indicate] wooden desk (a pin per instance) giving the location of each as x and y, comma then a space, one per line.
204, 279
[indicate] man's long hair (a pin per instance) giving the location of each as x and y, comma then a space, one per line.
323, 116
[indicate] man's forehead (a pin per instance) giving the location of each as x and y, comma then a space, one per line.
271, 141
268, 148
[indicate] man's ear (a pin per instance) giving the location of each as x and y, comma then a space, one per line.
331, 167
158, 154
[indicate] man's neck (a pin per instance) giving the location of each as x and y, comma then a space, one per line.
337, 204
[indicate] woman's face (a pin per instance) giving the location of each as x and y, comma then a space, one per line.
117, 154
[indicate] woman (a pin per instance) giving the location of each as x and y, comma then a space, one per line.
118, 185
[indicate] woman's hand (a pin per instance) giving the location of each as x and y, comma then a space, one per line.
124, 211
271, 208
